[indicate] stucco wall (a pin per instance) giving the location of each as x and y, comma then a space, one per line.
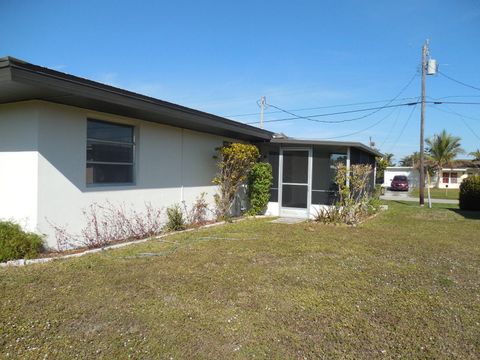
172, 165
18, 164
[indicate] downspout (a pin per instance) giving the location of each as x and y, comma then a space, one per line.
181, 166
348, 167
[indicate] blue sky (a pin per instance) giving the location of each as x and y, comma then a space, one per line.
222, 56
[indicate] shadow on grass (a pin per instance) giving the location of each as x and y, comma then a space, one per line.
467, 214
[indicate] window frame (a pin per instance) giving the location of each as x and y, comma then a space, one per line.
133, 163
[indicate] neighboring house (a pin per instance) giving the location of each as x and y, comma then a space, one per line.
449, 177
68, 142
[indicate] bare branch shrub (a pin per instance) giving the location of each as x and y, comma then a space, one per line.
354, 200
106, 224
197, 215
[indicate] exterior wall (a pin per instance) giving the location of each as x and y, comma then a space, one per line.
461, 175
172, 165
412, 175
19, 164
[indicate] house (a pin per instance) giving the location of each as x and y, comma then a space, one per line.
450, 178
67, 142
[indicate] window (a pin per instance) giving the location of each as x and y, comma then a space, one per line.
110, 153
445, 178
453, 177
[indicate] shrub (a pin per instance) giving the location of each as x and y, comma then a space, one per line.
175, 217
235, 161
16, 243
354, 201
198, 214
470, 193
109, 223
259, 182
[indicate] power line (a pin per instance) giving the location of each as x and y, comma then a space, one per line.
458, 81
461, 118
321, 107
360, 131
404, 127
392, 128
375, 110
310, 118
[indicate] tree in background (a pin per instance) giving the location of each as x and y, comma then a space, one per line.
475, 154
412, 160
382, 163
441, 151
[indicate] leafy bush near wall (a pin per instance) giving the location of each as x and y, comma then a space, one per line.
16, 243
175, 221
470, 193
234, 163
259, 182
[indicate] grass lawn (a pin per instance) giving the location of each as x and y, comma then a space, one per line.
405, 284
438, 193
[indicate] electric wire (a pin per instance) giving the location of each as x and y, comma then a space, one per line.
462, 118
360, 131
403, 128
321, 107
458, 81
391, 128
375, 110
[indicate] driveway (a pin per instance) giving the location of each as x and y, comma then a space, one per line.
405, 196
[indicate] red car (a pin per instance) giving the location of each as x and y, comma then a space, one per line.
399, 182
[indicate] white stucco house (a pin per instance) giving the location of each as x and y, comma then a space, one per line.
450, 178
67, 142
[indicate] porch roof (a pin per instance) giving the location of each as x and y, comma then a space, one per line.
352, 144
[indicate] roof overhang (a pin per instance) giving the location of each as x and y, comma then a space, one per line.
21, 81
357, 145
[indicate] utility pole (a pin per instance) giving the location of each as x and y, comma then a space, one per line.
263, 101
422, 125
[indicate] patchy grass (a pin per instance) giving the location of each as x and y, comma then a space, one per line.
439, 193
405, 284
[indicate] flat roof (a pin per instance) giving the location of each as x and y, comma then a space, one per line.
353, 144
20, 81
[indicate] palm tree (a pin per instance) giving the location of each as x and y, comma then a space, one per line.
441, 150
411, 160
475, 154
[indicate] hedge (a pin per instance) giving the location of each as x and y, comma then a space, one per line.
16, 243
470, 193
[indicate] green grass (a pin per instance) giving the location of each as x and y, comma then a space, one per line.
404, 284
438, 193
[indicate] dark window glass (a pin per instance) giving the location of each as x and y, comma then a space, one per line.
295, 196
107, 173
106, 152
273, 195
335, 160
110, 153
273, 160
295, 167
101, 130
323, 198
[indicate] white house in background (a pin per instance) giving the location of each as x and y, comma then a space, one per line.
449, 177
68, 142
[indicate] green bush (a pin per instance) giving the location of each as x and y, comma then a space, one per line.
175, 221
259, 183
470, 193
16, 243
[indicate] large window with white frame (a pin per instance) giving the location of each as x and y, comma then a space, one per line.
110, 153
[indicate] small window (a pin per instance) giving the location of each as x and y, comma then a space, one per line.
110, 153
453, 177
445, 178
